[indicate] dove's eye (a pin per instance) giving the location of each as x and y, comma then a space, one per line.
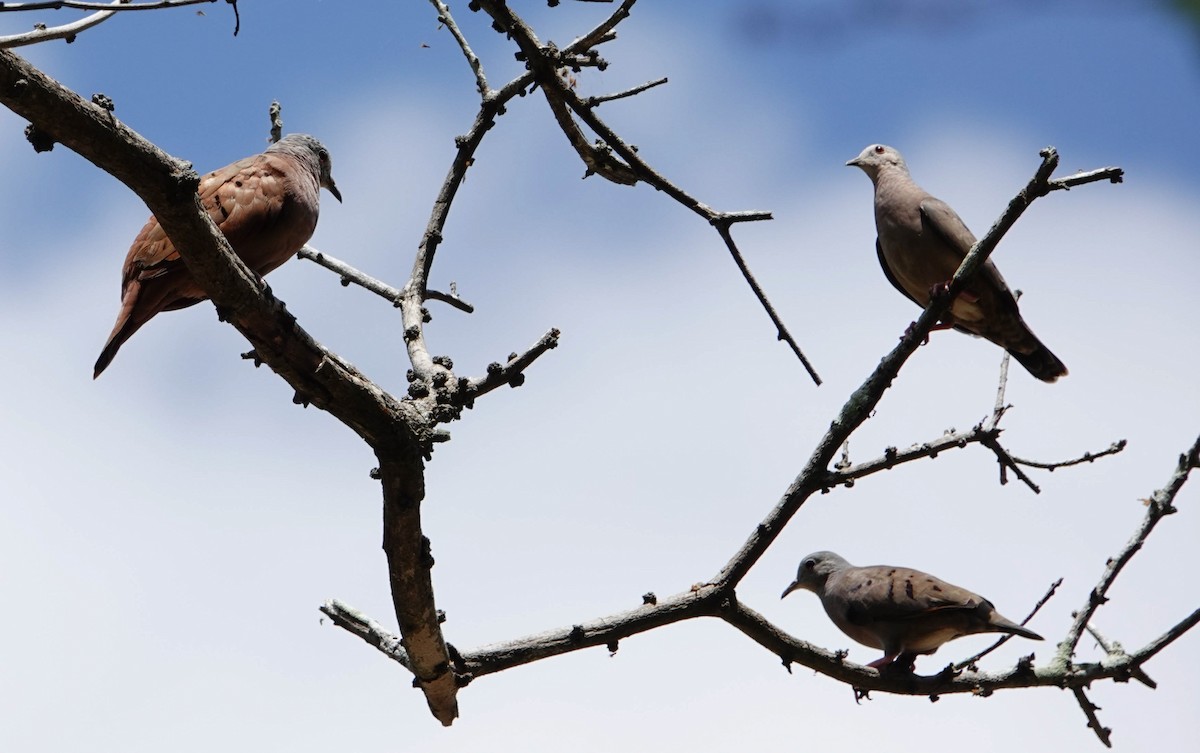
809, 564
879, 149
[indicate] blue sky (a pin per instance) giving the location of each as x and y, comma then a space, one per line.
168, 531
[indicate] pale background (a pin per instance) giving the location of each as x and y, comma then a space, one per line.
168, 531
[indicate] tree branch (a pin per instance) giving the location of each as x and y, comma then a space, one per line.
716, 597
349, 275
1158, 505
544, 62
69, 31
400, 432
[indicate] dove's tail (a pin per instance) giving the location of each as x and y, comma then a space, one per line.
127, 324
1041, 362
1031, 353
1025, 633
120, 334
1005, 625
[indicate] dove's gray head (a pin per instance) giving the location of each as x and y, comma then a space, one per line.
814, 570
877, 157
313, 153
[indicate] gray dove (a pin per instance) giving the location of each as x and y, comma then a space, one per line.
904, 612
922, 241
266, 206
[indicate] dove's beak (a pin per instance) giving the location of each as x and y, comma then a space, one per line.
333, 190
794, 587
854, 162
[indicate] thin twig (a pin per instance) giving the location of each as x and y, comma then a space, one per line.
781, 329
450, 299
1087, 457
1005, 461
1111, 174
626, 167
354, 621
511, 372
596, 101
66, 31
1158, 644
1116, 652
104, 11
893, 457
1002, 385
1089, 710
971, 660
391, 294
447, 20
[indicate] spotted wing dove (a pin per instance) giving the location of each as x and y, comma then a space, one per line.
266, 206
922, 241
904, 612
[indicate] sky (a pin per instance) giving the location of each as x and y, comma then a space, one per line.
168, 532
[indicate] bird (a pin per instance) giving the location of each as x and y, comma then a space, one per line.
902, 611
921, 241
266, 205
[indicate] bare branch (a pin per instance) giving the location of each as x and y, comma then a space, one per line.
275, 112
1116, 653
1090, 709
66, 31
605, 631
1111, 174
544, 63
722, 226
512, 372
1005, 460
1002, 385
602, 32
1158, 505
447, 20
450, 299
1087, 457
892, 457
105, 11
715, 598
350, 619
596, 101
1158, 644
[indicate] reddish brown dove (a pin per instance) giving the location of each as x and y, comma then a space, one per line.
266, 206
922, 241
901, 611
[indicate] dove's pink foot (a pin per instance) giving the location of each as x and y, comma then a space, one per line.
883, 661
942, 289
897, 662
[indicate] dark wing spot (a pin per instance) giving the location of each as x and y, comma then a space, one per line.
908, 587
